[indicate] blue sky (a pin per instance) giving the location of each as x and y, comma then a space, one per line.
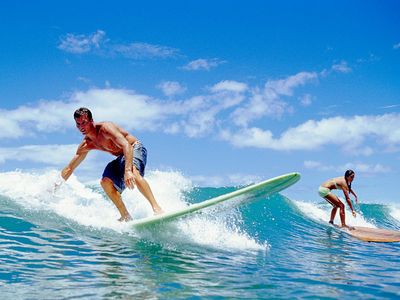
224, 92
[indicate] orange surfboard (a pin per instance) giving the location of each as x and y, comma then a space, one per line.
373, 234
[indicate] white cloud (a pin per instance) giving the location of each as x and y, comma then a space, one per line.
171, 88
268, 101
80, 43
200, 123
260, 104
197, 115
227, 111
143, 50
249, 137
97, 43
203, 64
311, 164
229, 86
342, 67
84, 79
368, 169
125, 107
201, 114
287, 85
49, 154
390, 106
9, 128
348, 133
369, 59
396, 46
306, 100
226, 104
132, 111
46, 116
54, 157
357, 167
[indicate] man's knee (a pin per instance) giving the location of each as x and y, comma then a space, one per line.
140, 180
106, 182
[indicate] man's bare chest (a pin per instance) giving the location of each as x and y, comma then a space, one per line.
104, 144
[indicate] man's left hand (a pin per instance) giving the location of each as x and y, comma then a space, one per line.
129, 179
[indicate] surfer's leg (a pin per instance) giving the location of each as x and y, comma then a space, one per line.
342, 215
115, 196
333, 214
145, 189
336, 203
139, 165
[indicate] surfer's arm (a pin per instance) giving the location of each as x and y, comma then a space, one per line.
114, 133
355, 196
75, 161
348, 200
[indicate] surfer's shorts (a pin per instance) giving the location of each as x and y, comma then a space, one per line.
323, 191
115, 170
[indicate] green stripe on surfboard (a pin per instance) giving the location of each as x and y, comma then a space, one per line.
264, 188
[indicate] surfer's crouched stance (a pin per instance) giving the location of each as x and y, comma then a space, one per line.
127, 170
339, 183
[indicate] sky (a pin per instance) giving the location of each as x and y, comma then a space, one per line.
224, 92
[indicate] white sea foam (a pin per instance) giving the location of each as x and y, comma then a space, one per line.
217, 230
321, 212
71, 200
395, 212
88, 206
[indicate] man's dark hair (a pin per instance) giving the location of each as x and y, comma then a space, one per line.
83, 111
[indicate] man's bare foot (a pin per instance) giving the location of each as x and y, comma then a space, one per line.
158, 211
125, 218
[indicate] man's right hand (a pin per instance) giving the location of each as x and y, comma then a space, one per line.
59, 181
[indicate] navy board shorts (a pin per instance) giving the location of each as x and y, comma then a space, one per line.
115, 170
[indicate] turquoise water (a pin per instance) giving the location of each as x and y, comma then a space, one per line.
68, 245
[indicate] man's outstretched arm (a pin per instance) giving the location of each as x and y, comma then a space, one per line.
75, 161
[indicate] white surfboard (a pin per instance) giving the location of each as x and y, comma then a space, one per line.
246, 194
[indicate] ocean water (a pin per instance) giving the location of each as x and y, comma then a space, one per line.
67, 244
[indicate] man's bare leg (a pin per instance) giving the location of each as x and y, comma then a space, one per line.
115, 196
145, 189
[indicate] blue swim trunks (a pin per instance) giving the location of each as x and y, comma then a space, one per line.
115, 170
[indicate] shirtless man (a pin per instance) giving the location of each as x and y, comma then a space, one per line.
340, 183
119, 173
